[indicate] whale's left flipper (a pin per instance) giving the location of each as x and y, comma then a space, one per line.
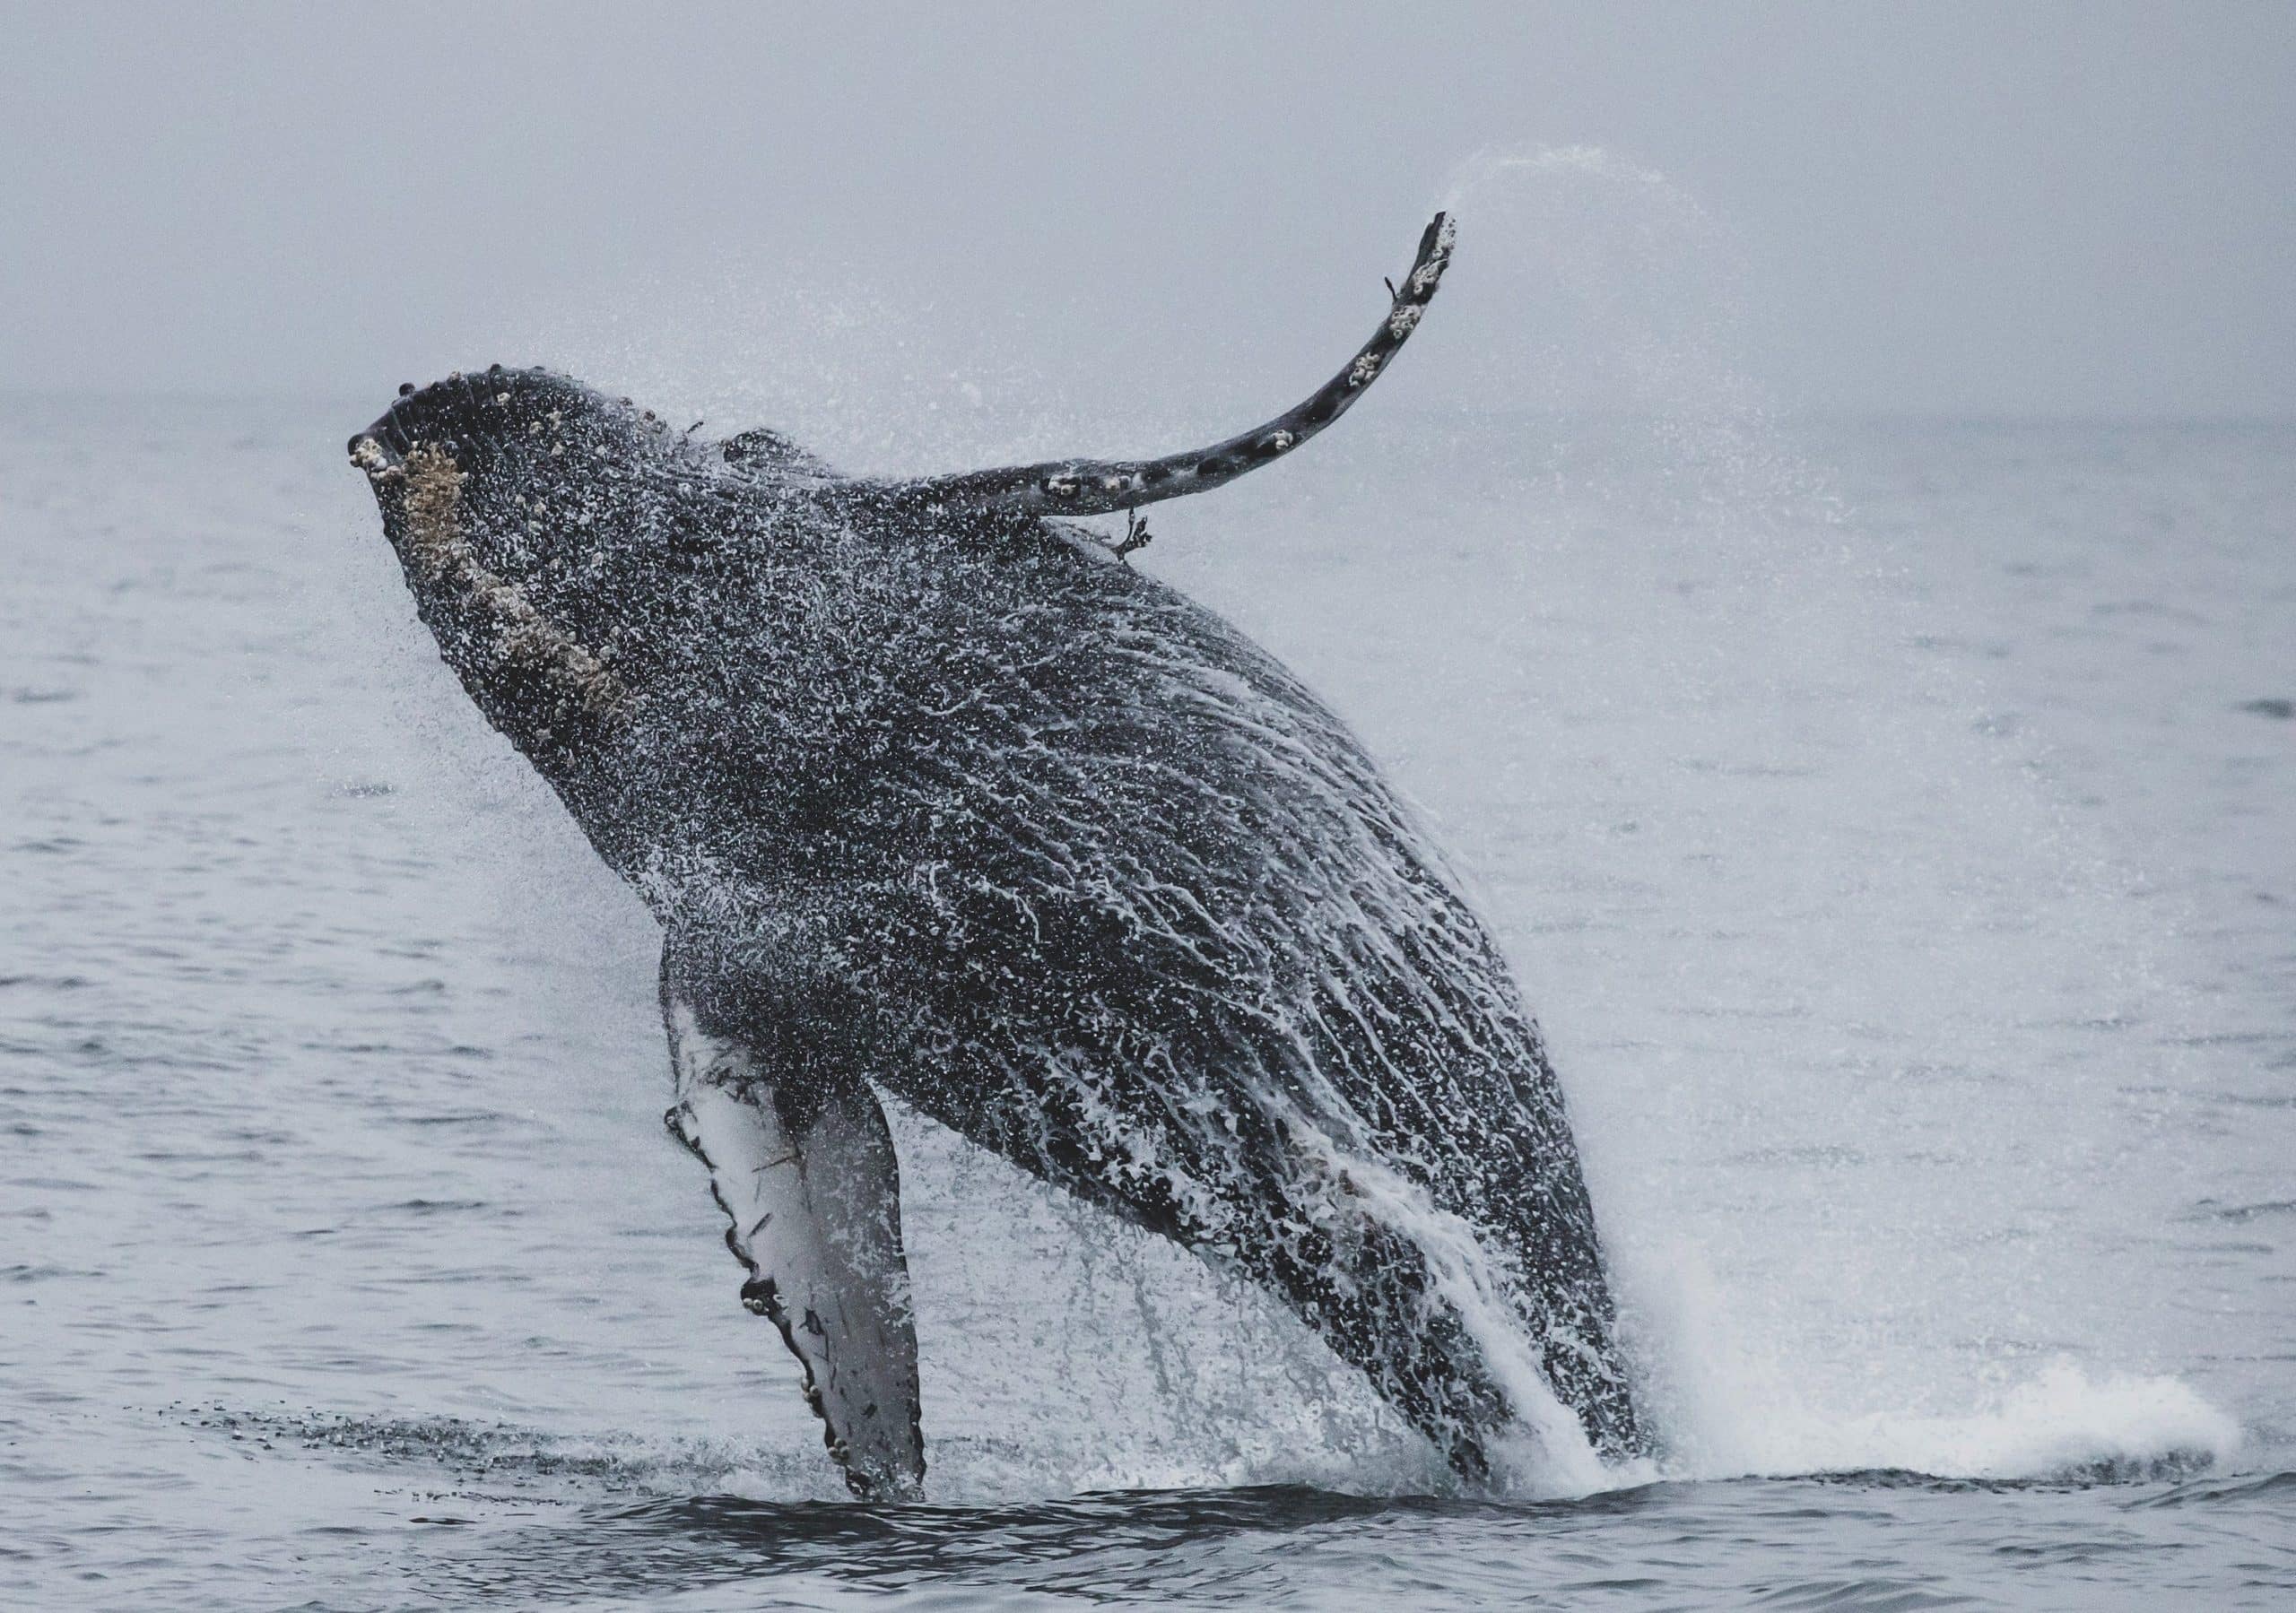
801, 1162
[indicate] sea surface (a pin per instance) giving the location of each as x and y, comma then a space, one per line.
1893, 822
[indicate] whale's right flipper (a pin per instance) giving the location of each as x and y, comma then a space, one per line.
801, 1162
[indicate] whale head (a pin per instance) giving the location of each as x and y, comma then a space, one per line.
521, 504
519, 472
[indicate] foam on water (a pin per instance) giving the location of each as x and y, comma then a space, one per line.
1734, 1408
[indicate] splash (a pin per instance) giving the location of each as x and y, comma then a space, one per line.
1813, 968
1737, 1405
2062, 1424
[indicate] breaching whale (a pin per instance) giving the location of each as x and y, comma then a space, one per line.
932, 793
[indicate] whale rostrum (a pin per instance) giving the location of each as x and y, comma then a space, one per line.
933, 796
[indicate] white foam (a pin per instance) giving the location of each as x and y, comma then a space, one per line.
1732, 1408
2061, 1421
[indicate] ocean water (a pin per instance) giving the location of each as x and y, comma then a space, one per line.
1891, 822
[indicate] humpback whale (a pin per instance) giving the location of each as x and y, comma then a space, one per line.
933, 793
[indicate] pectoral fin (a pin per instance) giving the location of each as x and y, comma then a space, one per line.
1095, 487
803, 1165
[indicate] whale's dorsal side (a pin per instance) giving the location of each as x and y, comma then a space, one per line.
801, 1162
1099, 486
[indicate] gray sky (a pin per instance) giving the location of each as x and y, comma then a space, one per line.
2077, 209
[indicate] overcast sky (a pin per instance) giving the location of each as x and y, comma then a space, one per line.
1976, 209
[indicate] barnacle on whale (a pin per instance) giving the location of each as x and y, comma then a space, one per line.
520, 633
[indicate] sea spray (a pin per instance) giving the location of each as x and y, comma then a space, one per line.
1805, 913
